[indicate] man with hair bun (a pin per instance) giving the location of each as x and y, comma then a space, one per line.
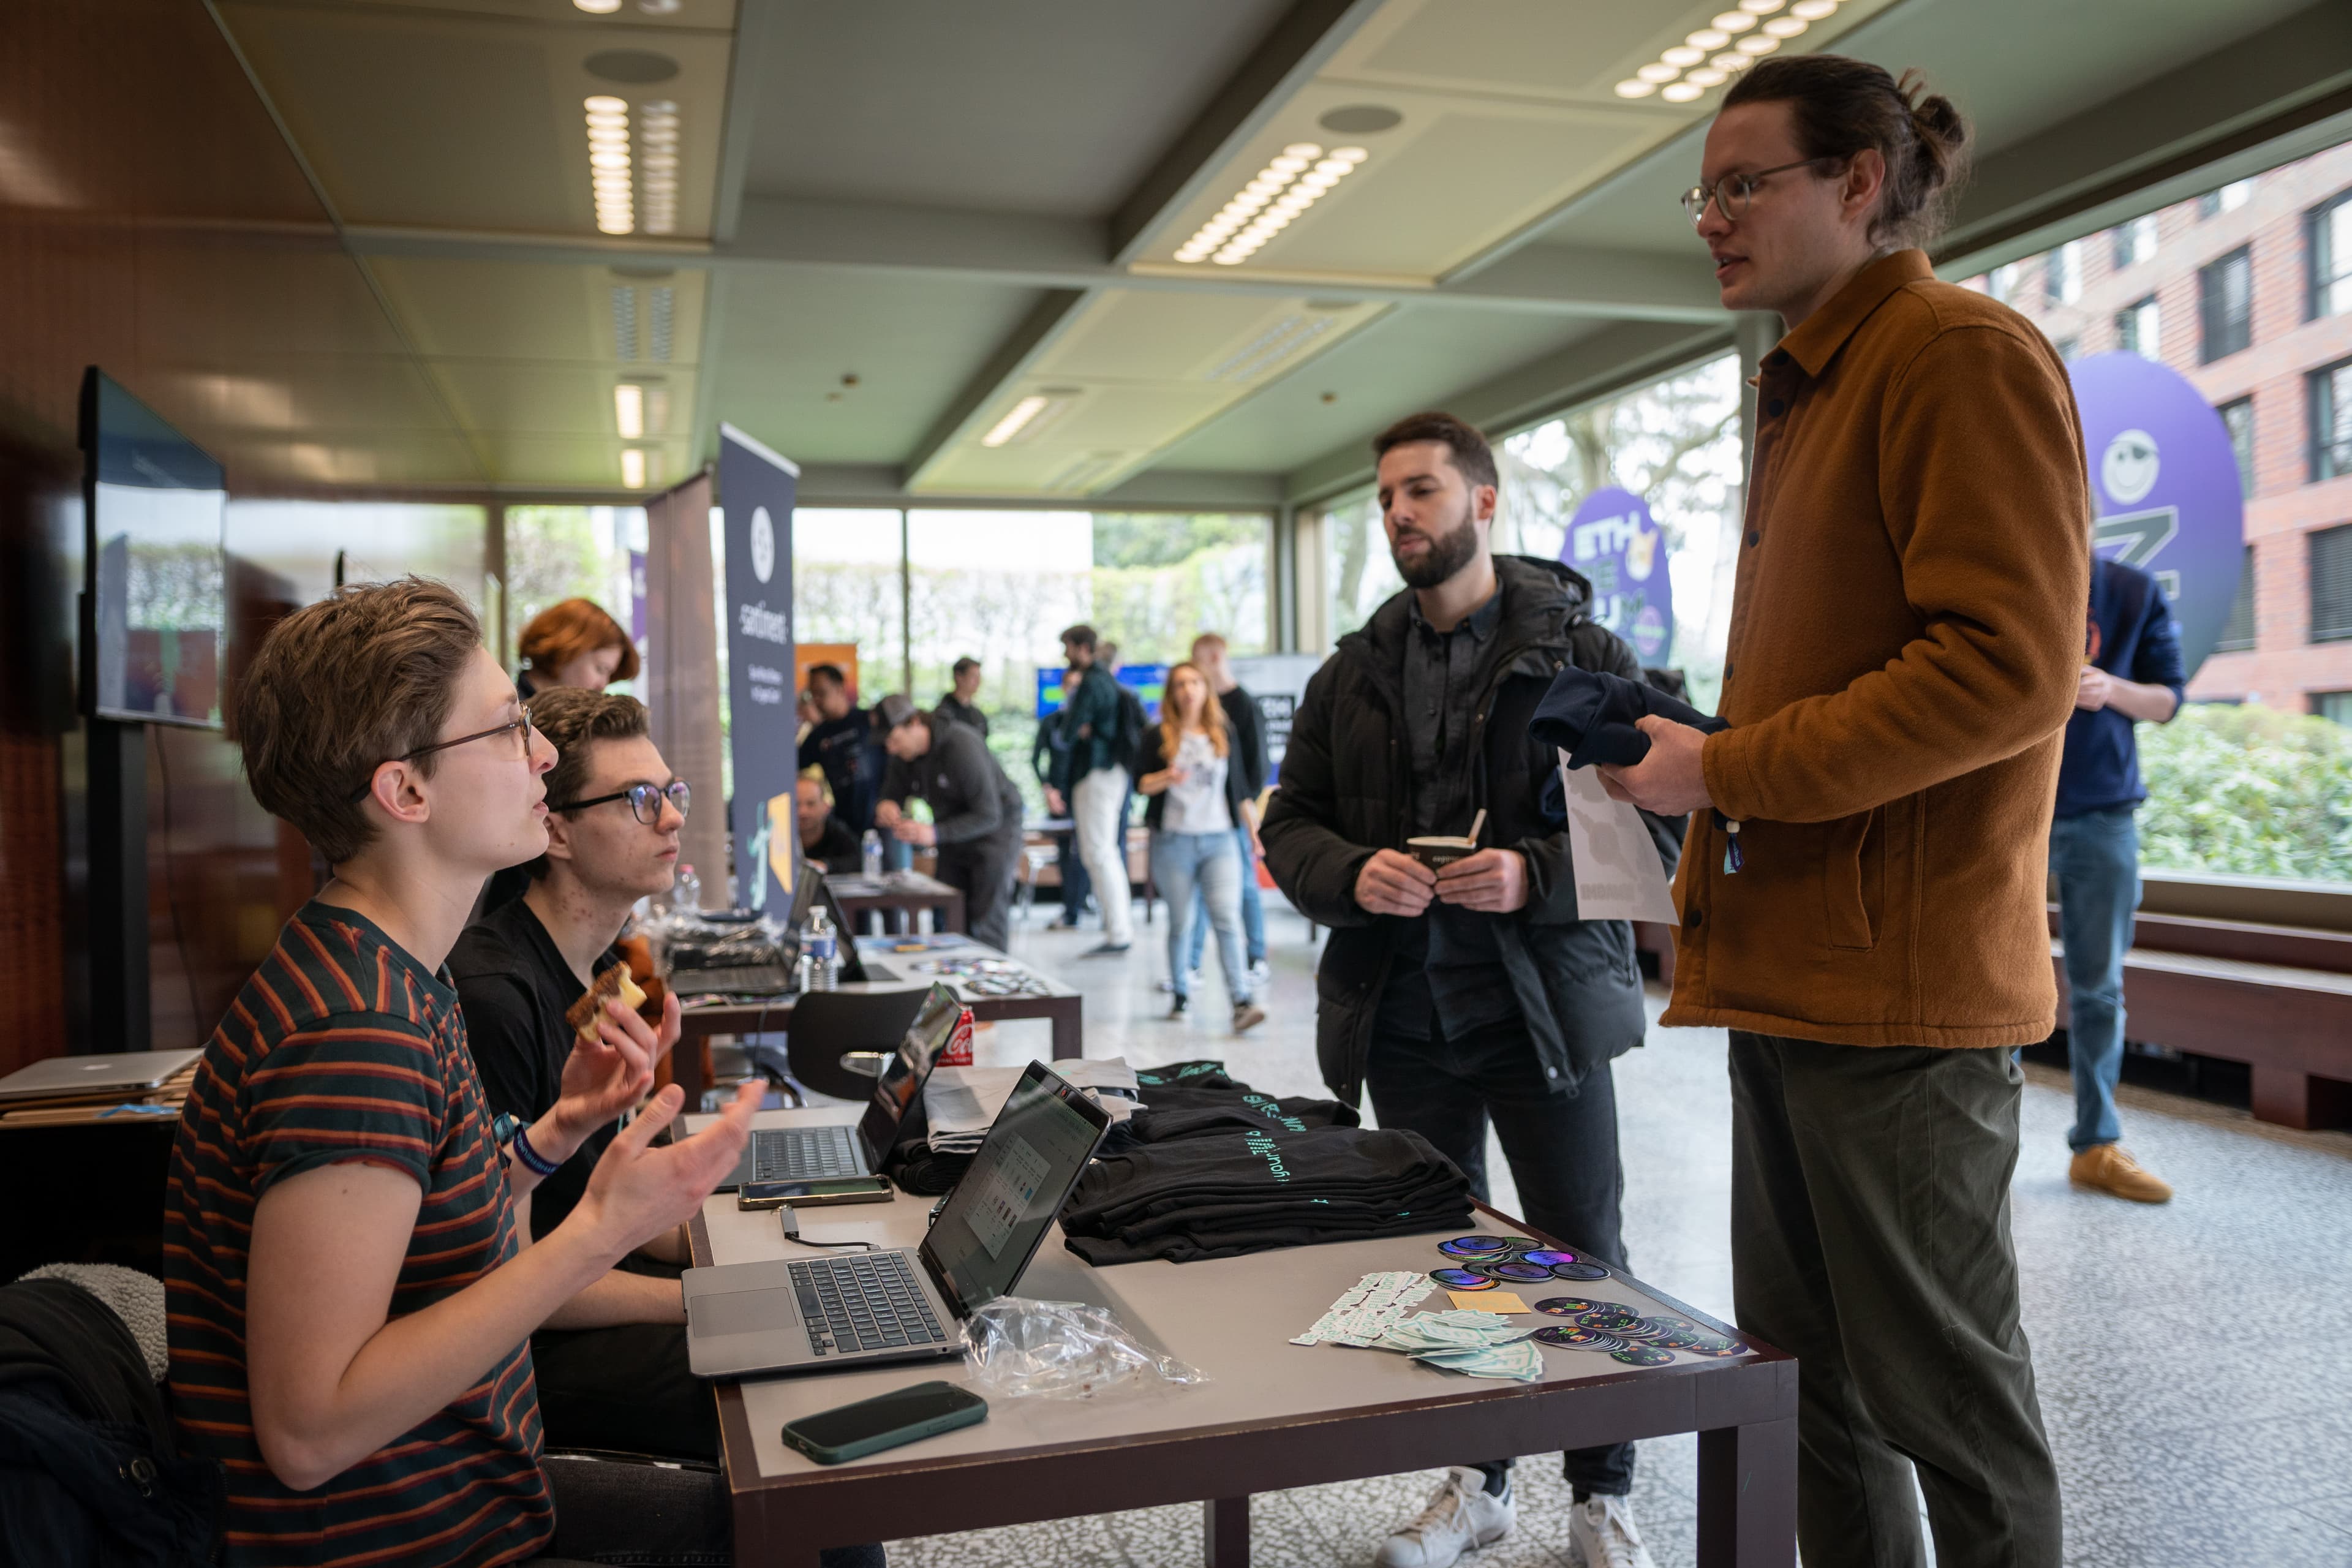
1862, 890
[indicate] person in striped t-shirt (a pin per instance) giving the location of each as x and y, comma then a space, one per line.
350, 1290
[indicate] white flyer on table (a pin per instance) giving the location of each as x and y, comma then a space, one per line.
1618, 877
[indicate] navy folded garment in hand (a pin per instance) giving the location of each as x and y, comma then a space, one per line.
1594, 716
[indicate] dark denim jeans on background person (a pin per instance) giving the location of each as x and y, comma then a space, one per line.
1563, 1150
1253, 912
2095, 859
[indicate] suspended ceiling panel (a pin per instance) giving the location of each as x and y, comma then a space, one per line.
1417, 356
463, 117
1029, 106
630, 317
1467, 123
1133, 372
784, 342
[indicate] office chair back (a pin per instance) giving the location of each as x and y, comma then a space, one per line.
827, 1026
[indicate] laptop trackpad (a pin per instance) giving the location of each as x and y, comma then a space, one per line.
742, 1311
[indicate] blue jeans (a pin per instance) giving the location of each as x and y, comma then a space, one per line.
1253, 912
2095, 859
1181, 862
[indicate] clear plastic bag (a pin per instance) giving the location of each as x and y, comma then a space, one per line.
1025, 1348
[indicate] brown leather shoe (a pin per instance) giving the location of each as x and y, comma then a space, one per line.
2105, 1167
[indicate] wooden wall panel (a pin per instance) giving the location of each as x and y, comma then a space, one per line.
145, 195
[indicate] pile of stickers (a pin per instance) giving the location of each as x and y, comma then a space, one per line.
1626, 1335
1377, 1313
1483, 1262
1487, 1262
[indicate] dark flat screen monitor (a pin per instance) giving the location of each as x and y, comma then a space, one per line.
154, 592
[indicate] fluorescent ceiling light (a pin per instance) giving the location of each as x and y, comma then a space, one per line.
1814, 10
597, 7
1733, 21
1706, 75
1784, 26
629, 410
1680, 91
632, 468
609, 175
1636, 88
1757, 44
1027, 417
1275, 196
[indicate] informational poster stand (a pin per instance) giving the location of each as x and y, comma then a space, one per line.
756, 490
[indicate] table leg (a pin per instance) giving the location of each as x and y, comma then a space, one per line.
1228, 1532
1747, 1496
1069, 1033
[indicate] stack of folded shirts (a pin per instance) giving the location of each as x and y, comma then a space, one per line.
1241, 1111
1224, 1194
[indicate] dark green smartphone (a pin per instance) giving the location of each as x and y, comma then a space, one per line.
884, 1421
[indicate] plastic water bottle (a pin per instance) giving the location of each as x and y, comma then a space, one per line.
869, 852
821, 945
686, 893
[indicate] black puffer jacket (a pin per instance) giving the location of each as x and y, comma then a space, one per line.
1345, 792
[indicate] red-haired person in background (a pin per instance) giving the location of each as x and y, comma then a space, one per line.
574, 643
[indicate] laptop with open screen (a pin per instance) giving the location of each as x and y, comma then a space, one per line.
803, 1314
807, 1153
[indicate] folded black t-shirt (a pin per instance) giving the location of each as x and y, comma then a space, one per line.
1594, 716
1220, 1195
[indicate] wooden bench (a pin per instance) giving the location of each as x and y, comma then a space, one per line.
2278, 998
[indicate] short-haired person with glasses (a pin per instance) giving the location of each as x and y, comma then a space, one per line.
1905, 638
614, 813
351, 1284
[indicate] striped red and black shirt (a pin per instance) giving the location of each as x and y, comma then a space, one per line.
343, 1047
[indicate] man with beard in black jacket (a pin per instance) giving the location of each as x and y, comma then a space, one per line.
1474, 993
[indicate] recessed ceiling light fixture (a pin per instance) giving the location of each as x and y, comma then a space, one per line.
629, 410
1028, 418
657, 153
1685, 70
596, 8
609, 174
632, 468
1271, 347
1287, 185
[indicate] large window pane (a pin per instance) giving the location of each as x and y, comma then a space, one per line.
1674, 443
2226, 305
1358, 569
1000, 586
2327, 252
846, 589
558, 552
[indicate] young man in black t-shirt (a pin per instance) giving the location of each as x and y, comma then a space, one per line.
614, 815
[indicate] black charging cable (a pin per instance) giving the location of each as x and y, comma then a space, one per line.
791, 1225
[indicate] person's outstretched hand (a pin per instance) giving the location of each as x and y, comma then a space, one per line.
638, 1191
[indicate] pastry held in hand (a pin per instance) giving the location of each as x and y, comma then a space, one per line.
613, 983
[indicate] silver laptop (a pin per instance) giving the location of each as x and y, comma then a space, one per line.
808, 1314
810, 1153
58, 1077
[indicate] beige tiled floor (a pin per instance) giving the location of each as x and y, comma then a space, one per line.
2191, 1357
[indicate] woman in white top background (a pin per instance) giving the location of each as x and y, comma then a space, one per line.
1187, 775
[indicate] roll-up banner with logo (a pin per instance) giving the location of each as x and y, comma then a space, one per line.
755, 496
2164, 490
1622, 551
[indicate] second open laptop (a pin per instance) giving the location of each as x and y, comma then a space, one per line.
813, 1154
811, 1314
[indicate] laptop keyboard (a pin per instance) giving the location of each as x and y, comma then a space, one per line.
863, 1304
803, 1153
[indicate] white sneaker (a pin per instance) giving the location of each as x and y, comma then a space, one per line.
1462, 1515
1259, 973
1601, 1534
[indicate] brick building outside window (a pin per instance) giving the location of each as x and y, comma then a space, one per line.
2247, 291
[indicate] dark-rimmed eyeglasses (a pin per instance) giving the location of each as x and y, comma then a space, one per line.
1733, 193
520, 723
645, 800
